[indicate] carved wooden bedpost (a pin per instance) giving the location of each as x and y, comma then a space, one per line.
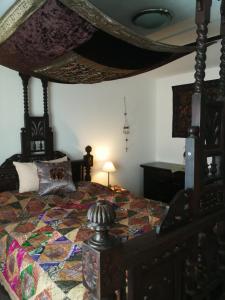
49, 133
24, 144
88, 163
195, 141
222, 76
102, 259
222, 58
44, 83
25, 81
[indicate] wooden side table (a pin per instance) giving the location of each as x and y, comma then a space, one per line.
162, 180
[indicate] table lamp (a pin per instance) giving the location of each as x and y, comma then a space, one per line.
108, 167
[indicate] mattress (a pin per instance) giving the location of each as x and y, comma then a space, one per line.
41, 238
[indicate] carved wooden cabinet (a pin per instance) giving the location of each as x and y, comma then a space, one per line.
162, 180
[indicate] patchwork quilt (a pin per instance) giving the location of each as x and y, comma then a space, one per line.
41, 238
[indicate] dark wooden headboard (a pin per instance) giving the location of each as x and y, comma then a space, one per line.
37, 144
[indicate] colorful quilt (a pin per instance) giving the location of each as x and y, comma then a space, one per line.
41, 238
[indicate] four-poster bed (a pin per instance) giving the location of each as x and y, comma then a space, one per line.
184, 258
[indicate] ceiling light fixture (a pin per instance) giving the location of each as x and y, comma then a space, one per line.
152, 18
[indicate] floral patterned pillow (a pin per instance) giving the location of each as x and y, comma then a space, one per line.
55, 178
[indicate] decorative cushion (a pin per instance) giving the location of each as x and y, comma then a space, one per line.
55, 178
28, 176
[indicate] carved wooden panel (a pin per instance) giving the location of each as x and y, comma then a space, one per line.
90, 263
211, 200
203, 278
102, 271
192, 270
213, 123
182, 97
37, 128
157, 283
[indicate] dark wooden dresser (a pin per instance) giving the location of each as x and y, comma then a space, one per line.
162, 180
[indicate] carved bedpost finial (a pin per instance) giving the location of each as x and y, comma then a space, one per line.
88, 163
101, 215
88, 149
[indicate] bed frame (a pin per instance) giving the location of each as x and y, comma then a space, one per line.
184, 259
37, 144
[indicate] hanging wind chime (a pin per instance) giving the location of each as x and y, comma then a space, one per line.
126, 127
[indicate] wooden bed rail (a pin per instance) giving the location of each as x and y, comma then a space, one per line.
186, 264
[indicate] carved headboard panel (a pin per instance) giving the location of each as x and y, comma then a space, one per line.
37, 144
37, 135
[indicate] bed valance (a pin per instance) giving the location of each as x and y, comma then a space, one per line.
71, 41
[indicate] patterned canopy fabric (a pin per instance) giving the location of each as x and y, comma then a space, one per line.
71, 41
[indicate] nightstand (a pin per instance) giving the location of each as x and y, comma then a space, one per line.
162, 180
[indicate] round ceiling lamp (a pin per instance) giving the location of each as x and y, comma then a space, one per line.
152, 18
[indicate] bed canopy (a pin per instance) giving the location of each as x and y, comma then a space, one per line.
72, 41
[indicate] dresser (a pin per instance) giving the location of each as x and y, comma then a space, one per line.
162, 180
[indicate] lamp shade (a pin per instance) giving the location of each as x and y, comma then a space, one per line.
108, 167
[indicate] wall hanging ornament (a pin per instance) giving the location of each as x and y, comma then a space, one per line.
126, 127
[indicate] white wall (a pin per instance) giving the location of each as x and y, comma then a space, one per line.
88, 114
11, 113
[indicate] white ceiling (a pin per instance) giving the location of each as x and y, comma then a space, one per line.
182, 28
4, 5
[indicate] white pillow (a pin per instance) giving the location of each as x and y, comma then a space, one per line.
28, 175
28, 178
